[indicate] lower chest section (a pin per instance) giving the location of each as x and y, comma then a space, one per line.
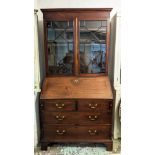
76, 120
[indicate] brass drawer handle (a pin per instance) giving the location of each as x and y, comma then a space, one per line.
60, 118
60, 105
92, 132
60, 132
92, 106
93, 118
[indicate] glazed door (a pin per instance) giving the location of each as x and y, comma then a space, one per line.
76, 45
92, 46
59, 47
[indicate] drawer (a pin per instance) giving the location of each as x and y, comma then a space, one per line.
95, 105
76, 118
83, 133
57, 105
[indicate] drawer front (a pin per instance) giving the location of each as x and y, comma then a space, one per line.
76, 118
94, 118
68, 132
95, 105
59, 117
58, 105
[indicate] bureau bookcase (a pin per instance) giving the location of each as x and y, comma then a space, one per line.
76, 98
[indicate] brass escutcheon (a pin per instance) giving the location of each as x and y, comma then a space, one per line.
76, 81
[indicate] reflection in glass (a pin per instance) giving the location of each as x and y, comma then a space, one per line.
92, 46
60, 47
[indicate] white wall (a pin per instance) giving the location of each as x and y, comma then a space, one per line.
79, 3
115, 4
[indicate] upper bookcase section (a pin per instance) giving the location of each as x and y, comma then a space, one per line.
76, 41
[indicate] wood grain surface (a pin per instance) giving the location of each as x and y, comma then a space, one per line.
76, 88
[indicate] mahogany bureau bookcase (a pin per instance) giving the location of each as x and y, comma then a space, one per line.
76, 98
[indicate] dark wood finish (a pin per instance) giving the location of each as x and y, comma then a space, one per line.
44, 145
77, 88
71, 10
58, 105
107, 44
65, 132
82, 14
77, 108
76, 15
45, 47
109, 145
95, 105
76, 47
76, 118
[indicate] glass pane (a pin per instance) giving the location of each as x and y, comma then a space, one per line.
60, 47
92, 47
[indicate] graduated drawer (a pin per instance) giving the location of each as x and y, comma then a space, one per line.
75, 133
58, 105
95, 105
76, 117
